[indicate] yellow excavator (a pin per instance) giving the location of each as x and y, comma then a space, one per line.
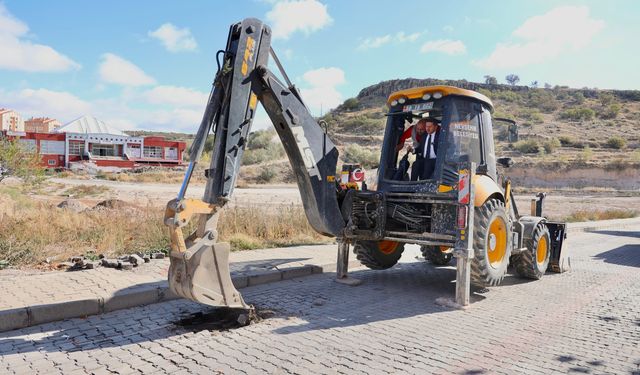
464, 208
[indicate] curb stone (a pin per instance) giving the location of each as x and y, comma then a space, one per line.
38, 314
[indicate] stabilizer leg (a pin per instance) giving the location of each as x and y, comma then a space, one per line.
342, 267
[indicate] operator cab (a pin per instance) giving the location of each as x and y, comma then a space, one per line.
464, 117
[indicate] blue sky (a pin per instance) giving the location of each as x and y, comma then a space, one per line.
149, 64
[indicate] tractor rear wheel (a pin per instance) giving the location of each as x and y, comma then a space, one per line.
378, 255
491, 243
533, 262
436, 255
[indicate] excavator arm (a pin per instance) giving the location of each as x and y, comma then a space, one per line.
199, 268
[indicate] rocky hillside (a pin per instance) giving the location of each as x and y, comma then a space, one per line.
559, 127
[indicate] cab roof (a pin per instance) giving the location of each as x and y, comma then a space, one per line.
418, 92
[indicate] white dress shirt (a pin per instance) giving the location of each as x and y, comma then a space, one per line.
430, 138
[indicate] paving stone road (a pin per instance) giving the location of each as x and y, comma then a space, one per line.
585, 321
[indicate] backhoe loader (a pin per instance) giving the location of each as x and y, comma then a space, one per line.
464, 209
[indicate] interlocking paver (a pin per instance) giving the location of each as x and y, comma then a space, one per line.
583, 321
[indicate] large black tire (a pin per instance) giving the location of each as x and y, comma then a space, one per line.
491, 244
378, 255
435, 256
533, 262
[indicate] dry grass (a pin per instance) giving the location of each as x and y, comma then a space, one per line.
32, 231
80, 191
594, 215
257, 227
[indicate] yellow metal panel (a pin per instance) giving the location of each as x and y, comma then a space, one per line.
418, 92
484, 187
444, 188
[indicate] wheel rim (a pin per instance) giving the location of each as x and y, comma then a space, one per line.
387, 247
497, 242
541, 251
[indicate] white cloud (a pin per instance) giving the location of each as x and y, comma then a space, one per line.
174, 39
176, 96
374, 42
61, 105
20, 54
449, 47
561, 30
322, 92
115, 69
289, 16
399, 37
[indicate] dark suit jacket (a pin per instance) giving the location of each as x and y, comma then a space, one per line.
423, 141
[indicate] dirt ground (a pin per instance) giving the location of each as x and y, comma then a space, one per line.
558, 204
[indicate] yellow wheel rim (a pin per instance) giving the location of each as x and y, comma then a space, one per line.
387, 247
541, 251
497, 242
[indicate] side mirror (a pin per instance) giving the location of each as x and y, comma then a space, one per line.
482, 169
505, 162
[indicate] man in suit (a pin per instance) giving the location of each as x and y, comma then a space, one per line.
426, 151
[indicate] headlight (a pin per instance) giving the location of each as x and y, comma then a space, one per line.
437, 95
394, 103
402, 100
426, 96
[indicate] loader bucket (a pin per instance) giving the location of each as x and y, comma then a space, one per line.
201, 274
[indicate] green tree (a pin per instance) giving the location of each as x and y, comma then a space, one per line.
18, 160
490, 80
512, 79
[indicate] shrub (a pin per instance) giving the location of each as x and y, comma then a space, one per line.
261, 138
507, 95
350, 104
262, 148
578, 97
266, 175
551, 145
354, 153
565, 140
532, 115
363, 125
529, 146
543, 100
616, 142
611, 111
606, 98
586, 154
578, 114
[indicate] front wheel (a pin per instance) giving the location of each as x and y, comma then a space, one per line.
491, 243
378, 255
533, 262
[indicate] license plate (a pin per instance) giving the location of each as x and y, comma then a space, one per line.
418, 107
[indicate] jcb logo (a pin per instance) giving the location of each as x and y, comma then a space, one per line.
248, 55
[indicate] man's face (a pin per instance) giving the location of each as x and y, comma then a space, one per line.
430, 127
421, 128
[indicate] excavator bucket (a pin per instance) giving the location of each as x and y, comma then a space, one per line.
199, 269
202, 274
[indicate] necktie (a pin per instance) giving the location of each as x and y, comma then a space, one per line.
428, 152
